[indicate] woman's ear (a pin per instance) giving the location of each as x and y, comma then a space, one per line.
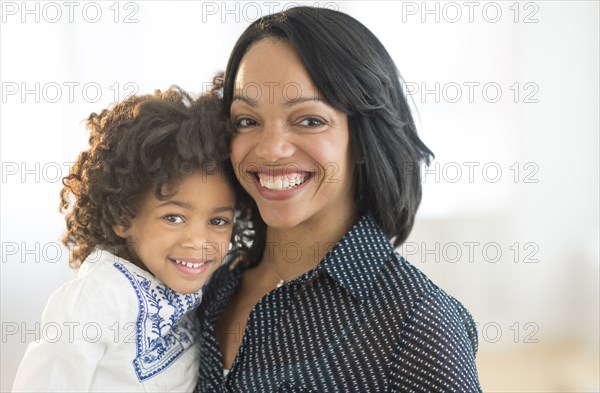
121, 231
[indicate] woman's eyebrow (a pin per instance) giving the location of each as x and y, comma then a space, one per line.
300, 100
288, 102
245, 100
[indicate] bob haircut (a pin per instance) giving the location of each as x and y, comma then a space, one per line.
354, 73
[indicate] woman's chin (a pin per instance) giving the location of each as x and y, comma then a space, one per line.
280, 218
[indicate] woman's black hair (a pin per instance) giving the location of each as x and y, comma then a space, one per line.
355, 74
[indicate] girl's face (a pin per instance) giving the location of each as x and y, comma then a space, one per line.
291, 148
183, 240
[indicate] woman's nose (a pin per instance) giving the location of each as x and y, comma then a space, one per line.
274, 143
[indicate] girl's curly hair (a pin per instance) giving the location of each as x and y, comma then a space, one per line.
140, 144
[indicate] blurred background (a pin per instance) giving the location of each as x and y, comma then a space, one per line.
507, 95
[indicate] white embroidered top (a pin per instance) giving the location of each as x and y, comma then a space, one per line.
113, 328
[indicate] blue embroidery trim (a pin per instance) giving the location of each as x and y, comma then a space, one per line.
163, 329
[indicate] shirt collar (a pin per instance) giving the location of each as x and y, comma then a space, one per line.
165, 328
358, 259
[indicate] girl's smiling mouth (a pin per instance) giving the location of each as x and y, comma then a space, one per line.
192, 266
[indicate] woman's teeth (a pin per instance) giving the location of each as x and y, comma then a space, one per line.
280, 183
189, 264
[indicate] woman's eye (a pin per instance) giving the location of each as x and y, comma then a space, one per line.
173, 219
245, 122
312, 122
218, 221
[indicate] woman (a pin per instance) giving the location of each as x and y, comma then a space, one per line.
325, 144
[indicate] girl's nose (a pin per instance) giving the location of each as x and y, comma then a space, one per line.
195, 237
198, 240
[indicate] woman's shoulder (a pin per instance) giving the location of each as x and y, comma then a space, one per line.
414, 281
438, 333
419, 297
402, 280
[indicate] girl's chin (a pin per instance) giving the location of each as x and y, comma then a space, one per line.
187, 289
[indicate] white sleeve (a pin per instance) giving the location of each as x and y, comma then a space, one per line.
75, 334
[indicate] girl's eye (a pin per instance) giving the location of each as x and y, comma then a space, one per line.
311, 122
173, 219
218, 221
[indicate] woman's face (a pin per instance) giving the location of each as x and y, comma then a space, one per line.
291, 149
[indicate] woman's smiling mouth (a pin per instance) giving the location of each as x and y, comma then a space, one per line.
282, 182
279, 184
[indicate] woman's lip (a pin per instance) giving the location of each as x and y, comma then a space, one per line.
286, 171
277, 195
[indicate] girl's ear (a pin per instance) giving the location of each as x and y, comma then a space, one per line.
121, 231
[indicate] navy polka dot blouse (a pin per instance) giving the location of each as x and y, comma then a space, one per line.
364, 320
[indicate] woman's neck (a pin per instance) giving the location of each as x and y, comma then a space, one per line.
291, 252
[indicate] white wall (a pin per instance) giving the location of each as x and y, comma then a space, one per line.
553, 140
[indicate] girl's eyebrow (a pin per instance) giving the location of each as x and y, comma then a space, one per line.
188, 206
175, 202
224, 209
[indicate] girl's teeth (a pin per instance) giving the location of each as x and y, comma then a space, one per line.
189, 264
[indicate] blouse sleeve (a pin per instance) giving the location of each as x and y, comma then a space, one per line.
74, 335
436, 350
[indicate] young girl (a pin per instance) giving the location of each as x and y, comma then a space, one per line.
152, 216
